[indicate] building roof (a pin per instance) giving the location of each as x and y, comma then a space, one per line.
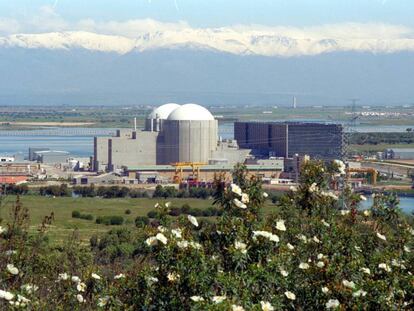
162, 112
399, 150
191, 112
217, 167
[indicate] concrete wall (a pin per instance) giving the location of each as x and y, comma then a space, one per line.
189, 141
124, 151
100, 153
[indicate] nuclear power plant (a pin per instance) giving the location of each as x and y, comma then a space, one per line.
180, 140
173, 133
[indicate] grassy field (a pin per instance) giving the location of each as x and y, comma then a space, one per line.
62, 207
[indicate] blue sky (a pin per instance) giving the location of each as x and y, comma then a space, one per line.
215, 13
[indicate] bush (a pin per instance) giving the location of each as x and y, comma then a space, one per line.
185, 209
175, 211
76, 214
152, 214
110, 220
141, 221
128, 212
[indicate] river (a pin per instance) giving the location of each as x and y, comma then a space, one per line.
406, 204
79, 141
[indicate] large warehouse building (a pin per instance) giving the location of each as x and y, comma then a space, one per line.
285, 139
173, 133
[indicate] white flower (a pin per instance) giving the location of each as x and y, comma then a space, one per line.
10, 252
29, 288
102, 301
313, 188
161, 237
240, 246
316, 240
280, 225
341, 167
195, 245
245, 198
329, 194
407, 249
12, 269
332, 304
362, 197
79, 297
269, 235
196, 298
172, 276
384, 267
303, 238
293, 188
168, 204
344, 212
75, 279
290, 295
290, 246
236, 189
237, 308
182, 244
349, 284
303, 266
157, 205
382, 237
63, 276
325, 223
325, 290
366, 213
284, 273
239, 204
151, 280
320, 256
119, 276
193, 220
266, 306
2, 229
411, 230
265, 195
161, 229
81, 287
359, 293
365, 270
320, 264
6, 295
95, 276
177, 233
218, 299
151, 241
357, 248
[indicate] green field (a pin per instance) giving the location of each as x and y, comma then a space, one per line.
62, 207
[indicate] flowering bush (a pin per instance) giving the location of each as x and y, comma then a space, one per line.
316, 250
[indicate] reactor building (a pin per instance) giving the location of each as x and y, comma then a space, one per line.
173, 133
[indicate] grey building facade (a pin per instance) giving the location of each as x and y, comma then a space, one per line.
285, 139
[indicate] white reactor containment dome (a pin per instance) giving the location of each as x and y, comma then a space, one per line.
190, 112
162, 112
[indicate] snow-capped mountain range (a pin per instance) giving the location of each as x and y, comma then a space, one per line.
228, 40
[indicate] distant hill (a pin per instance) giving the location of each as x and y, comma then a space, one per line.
78, 75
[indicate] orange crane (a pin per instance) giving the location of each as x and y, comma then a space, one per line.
179, 167
369, 170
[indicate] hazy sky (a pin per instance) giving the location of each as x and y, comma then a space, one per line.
216, 13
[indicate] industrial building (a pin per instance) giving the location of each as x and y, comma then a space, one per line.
172, 133
399, 154
286, 139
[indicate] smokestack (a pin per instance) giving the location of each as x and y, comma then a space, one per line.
135, 124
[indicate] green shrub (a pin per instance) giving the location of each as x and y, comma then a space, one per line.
76, 214
141, 221
128, 212
152, 214
110, 220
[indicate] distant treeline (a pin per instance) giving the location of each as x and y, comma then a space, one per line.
116, 192
381, 138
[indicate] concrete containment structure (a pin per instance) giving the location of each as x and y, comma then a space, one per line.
155, 119
190, 135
